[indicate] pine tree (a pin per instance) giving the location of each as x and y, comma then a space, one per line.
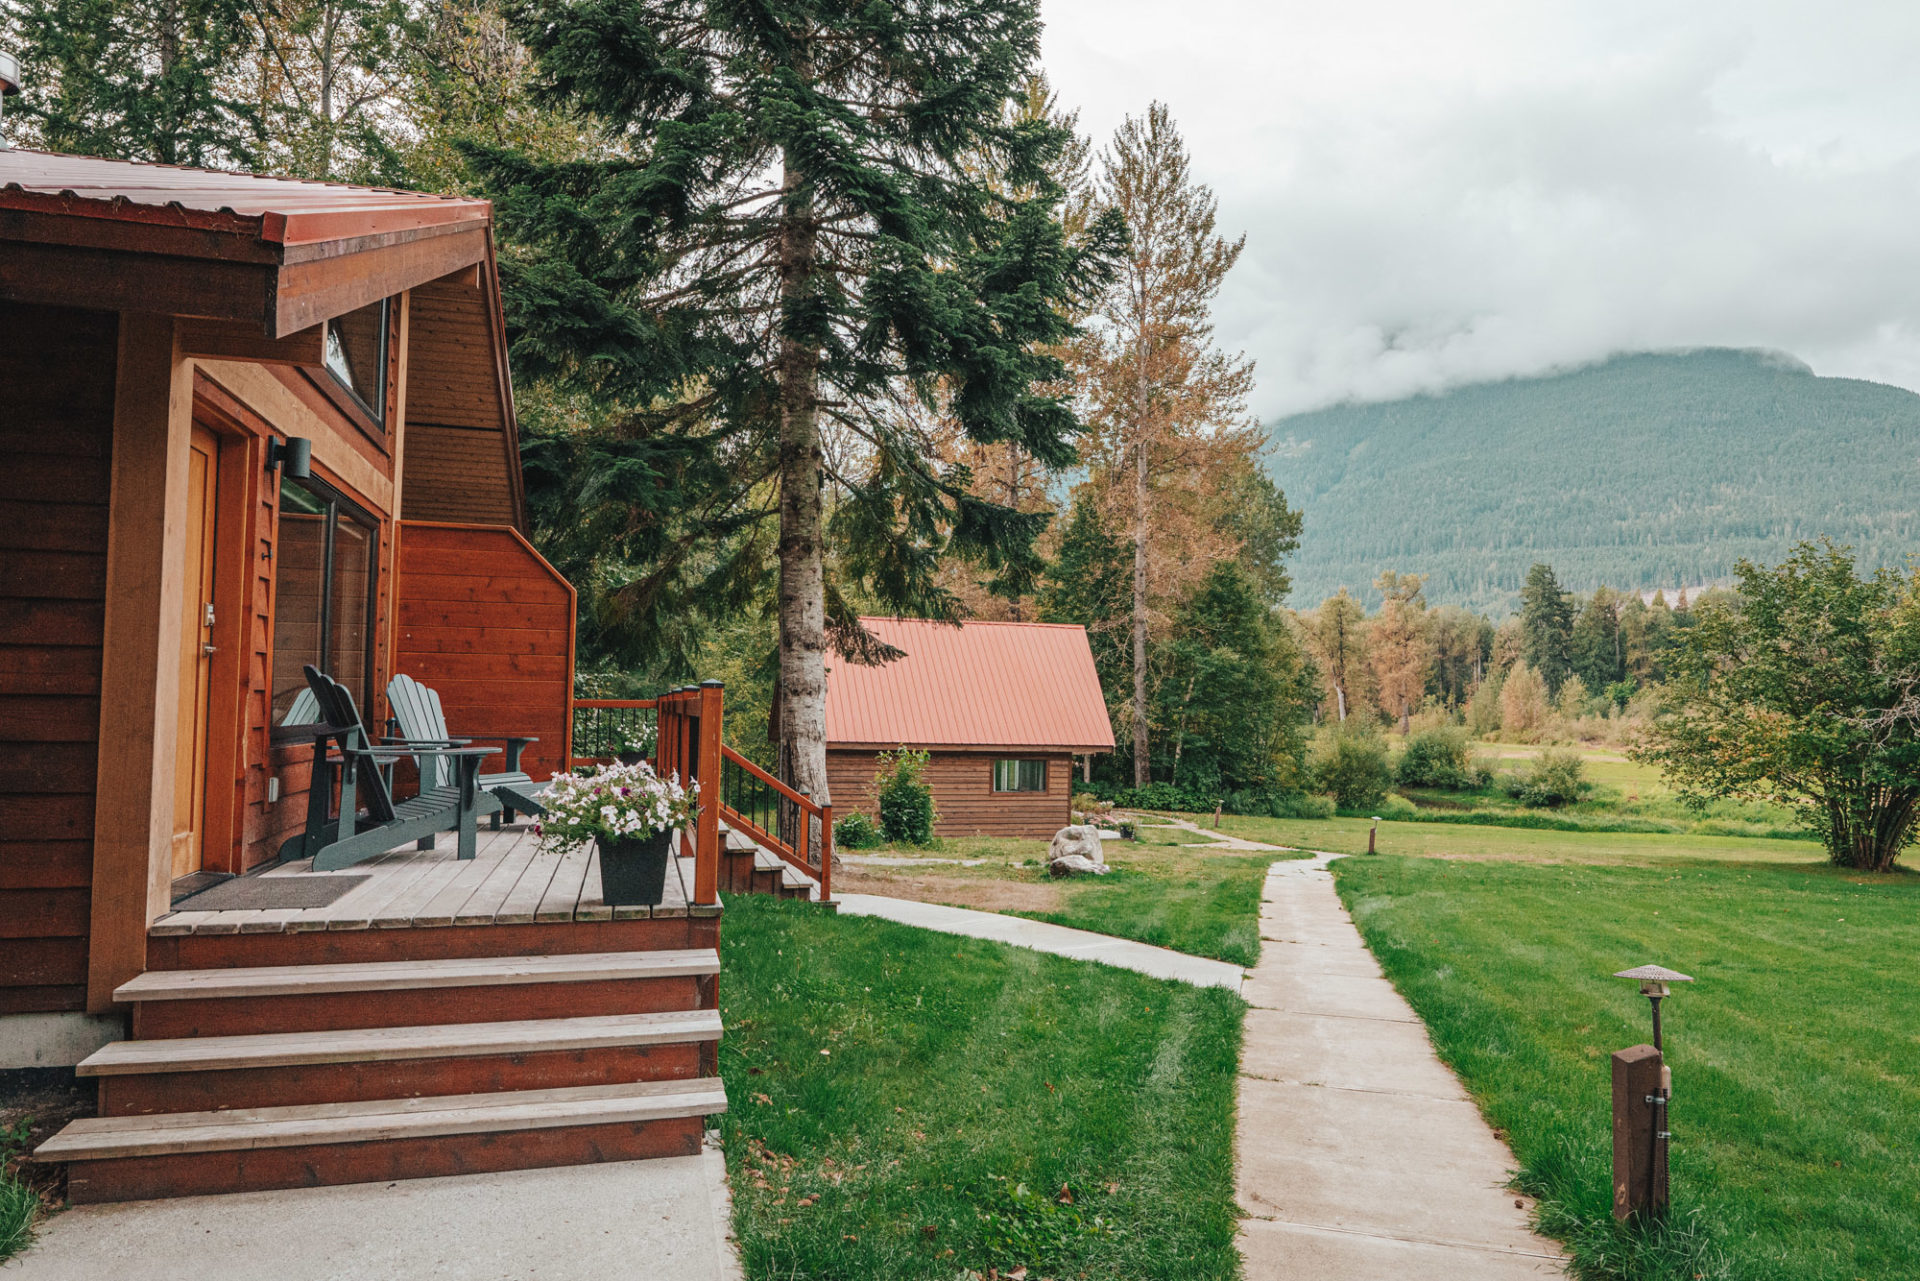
1168, 412
785, 252
136, 79
1599, 657
1090, 583
1546, 626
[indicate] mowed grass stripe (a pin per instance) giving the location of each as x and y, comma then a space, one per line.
964, 1085
1796, 1055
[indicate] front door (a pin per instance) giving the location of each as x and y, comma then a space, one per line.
196, 654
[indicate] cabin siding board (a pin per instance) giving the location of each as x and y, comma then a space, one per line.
53, 513
962, 784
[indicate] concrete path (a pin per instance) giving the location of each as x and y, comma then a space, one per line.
1361, 1158
1215, 840
1085, 945
664, 1218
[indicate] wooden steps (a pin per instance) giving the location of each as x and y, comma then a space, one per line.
255, 1076
122, 1158
746, 867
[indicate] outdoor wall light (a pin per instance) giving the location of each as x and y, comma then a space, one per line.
296, 452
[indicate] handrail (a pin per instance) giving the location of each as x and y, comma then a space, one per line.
750, 797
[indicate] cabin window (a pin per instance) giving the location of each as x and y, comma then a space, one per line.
1019, 776
355, 351
323, 592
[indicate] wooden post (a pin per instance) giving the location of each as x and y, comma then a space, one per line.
140, 659
1639, 1157
706, 863
826, 853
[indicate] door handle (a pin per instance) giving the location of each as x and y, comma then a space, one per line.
209, 649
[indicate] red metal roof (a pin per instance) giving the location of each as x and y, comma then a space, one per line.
284, 211
975, 685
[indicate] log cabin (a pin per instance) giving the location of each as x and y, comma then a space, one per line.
248, 425
1001, 709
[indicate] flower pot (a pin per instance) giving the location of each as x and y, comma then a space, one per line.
629, 758
633, 869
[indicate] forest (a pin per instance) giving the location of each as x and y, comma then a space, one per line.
1646, 471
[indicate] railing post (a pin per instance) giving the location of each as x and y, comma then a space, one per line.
706, 862
826, 853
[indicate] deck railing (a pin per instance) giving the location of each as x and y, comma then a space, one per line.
781, 819
686, 741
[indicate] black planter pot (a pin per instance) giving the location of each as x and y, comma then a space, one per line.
629, 758
633, 869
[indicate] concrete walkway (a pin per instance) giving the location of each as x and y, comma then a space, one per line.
1214, 840
663, 1218
1085, 945
1361, 1158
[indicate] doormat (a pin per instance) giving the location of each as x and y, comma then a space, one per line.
247, 893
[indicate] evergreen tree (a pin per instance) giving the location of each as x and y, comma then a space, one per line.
1231, 703
1268, 531
136, 79
1090, 583
1462, 650
1546, 626
1599, 655
783, 250
1168, 415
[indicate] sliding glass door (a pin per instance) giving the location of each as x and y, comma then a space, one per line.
323, 592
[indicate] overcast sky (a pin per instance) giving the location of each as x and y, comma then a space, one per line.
1435, 193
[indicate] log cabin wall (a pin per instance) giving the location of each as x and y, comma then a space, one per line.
56, 433
484, 620
962, 784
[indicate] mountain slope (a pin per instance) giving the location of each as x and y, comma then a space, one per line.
1644, 471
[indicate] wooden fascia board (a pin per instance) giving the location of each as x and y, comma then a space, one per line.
119, 280
318, 288
503, 377
231, 340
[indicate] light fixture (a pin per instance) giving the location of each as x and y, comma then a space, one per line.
1653, 985
295, 451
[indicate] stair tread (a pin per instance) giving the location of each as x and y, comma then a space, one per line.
438, 1040
382, 976
174, 1133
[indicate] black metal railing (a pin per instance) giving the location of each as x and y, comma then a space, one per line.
602, 725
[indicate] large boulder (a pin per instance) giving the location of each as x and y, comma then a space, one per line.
1076, 852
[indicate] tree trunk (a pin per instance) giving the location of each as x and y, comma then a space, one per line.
802, 598
1141, 774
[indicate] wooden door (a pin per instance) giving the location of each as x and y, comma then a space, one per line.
196, 654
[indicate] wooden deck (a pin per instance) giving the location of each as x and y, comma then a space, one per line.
510, 882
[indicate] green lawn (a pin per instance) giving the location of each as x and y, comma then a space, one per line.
1206, 903
1796, 1055
1349, 836
911, 1105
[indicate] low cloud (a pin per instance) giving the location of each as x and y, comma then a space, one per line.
1435, 195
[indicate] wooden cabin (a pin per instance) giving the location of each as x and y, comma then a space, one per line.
249, 424
1001, 709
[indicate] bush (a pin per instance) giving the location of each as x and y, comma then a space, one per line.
1351, 765
1398, 808
1437, 758
856, 831
1168, 796
904, 799
1554, 779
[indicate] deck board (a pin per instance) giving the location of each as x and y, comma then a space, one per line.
509, 881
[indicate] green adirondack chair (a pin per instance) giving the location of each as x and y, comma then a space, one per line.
416, 710
337, 842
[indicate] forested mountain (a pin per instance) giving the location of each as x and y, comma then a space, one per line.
1645, 471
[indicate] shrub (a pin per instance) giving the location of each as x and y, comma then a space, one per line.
856, 831
1351, 765
1552, 780
1300, 805
1437, 758
1168, 796
1523, 705
904, 799
1398, 808
1483, 709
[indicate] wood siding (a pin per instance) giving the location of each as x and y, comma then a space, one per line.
56, 430
963, 792
461, 443
484, 620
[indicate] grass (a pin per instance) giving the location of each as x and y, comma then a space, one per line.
1796, 1055
19, 1203
1205, 903
1447, 840
913, 1105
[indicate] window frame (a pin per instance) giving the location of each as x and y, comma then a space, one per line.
338, 504
1018, 772
375, 415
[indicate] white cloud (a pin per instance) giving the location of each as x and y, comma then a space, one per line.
1435, 194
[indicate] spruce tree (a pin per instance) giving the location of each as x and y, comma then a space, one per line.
805, 227
136, 79
1546, 627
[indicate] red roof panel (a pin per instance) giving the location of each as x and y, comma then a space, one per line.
976, 685
286, 211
